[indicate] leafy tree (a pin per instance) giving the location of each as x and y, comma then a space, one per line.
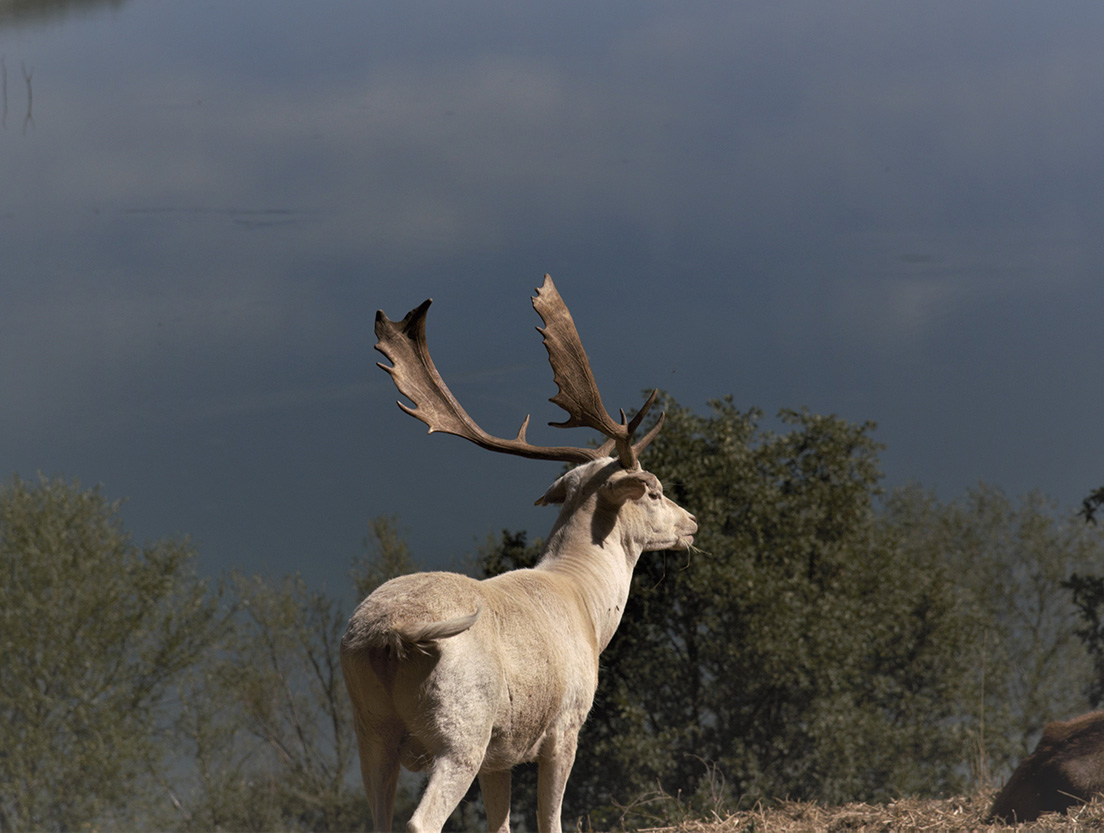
1010, 561
796, 652
386, 555
95, 634
1088, 597
270, 722
1091, 505
1087, 589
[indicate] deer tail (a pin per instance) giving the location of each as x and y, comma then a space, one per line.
423, 636
400, 640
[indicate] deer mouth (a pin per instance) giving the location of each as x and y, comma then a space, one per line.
686, 539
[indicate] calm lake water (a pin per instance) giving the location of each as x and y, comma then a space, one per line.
883, 212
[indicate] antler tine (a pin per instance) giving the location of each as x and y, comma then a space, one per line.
578, 392
416, 377
636, 420
645, 441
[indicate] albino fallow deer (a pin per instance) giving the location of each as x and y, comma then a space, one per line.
467, 678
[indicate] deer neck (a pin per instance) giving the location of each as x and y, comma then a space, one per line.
598, 571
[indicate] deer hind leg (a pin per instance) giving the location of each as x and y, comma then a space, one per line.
450, 775
379, 769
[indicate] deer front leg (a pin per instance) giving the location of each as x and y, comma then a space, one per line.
495, 789
555, 761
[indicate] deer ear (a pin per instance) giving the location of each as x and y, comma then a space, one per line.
625, 486
556, 494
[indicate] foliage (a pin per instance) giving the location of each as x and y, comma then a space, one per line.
798, 653
1010, 562
95, 632
1088, 595
385, 556
821, 644
1091, 505
269, 722
1087, 590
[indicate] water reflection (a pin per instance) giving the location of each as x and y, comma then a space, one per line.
28, 118
18, 12
219, 195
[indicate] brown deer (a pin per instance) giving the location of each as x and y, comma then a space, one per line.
1066, 768
467, 678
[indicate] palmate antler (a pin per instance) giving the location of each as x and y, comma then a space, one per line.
416, 377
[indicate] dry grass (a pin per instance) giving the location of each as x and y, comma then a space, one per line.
956, 814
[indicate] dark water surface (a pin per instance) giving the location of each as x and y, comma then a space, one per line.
879, 211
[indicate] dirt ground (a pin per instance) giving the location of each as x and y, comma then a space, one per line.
956, 814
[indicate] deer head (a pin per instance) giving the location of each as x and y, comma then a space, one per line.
416, 377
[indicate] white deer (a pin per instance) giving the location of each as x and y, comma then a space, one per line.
467, 678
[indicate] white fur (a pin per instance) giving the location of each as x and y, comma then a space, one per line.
467, 678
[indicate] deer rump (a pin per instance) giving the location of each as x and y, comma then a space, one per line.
1066, 768
505, 670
